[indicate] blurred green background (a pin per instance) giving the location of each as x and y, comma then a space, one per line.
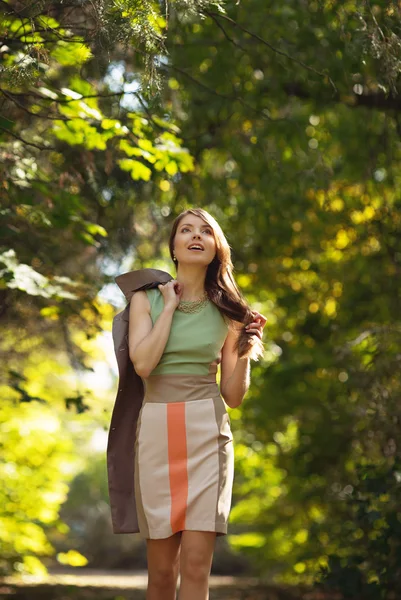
282, 119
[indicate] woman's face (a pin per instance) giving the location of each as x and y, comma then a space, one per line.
194, 230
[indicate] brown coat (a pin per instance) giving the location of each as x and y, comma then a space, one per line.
122, 433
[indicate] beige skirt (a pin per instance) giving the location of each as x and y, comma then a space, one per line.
184, 459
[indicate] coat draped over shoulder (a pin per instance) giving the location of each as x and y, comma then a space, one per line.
128, 402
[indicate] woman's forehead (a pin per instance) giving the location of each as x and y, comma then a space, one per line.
193, 220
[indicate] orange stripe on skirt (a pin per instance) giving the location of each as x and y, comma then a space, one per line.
177, 459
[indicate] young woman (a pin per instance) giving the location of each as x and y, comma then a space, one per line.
178, 334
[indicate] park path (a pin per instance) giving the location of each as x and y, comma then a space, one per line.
114, 579
94, 584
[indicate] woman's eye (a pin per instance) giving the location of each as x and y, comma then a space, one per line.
186, 229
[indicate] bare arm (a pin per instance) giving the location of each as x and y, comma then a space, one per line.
146, 342
235, 373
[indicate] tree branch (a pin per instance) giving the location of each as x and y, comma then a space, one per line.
376, 100
20, 139
223, 96
213, 16
230, 39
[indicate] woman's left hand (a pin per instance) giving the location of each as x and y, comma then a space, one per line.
257, 325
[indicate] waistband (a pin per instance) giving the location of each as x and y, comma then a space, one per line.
180, 388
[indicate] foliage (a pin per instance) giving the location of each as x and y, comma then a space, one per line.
368, 559
46, 427
64, 141
34, 477
35, 34
293, 121
65, 145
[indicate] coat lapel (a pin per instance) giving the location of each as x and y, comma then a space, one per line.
129, 399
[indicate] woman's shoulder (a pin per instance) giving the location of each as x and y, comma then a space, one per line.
153, 292
150, 293
154, 295
145, 299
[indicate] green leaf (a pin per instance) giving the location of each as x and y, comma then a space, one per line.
137, 169
68, 54
247, 540
94, 229
171, 167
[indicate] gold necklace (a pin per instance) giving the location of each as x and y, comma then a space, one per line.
192, 306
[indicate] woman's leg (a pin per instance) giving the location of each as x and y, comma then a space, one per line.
197, 549
163, 557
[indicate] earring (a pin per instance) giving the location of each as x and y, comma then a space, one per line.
174, 257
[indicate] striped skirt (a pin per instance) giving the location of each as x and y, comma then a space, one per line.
184, 459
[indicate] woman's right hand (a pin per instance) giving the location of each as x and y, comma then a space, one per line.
172, 292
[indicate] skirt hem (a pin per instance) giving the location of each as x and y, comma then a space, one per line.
219, 528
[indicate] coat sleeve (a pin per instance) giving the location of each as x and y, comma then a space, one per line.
130, 393
141, 279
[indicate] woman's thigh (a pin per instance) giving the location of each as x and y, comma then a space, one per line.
197, 549
163, 554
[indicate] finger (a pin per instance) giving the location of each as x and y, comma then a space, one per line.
260, 321
255, 334
254, 330
259, 316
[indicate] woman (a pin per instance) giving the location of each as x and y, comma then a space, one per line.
178, 334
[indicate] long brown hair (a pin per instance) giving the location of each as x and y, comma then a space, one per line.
221, 287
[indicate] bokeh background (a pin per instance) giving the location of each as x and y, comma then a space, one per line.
282, 119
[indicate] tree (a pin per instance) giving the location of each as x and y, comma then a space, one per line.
291, 114
291, 111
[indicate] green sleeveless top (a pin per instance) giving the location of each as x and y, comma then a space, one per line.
195, 339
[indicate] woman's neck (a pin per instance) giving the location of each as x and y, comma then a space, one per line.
192, 280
